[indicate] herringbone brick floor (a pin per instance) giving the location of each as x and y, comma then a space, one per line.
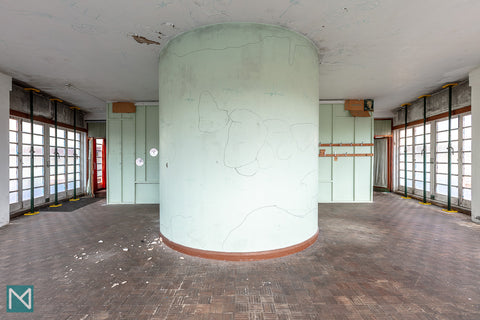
393, 259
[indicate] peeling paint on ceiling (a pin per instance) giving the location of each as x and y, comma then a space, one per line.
391, 51
144, 40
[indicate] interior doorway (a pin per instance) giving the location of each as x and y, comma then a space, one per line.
382, 164
97, 159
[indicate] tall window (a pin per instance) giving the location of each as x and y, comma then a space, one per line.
466, 159
13, 162
418, 158
43, 138
436, 149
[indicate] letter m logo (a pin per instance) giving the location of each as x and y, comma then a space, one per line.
19, 298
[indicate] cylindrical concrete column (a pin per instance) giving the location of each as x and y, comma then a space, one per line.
239, 141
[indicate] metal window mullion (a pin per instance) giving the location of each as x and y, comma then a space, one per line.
433, 159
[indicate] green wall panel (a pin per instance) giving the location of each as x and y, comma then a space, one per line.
114, 161
146, 193
349, 179
131, 136
128, 161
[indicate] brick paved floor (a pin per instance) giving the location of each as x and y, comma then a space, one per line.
393, 259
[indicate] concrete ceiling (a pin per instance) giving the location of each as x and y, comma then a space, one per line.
89, 51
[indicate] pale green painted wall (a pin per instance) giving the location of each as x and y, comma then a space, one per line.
349, 179
131, 136
382, 127
97, 129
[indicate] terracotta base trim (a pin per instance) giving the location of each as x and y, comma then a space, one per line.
241, 256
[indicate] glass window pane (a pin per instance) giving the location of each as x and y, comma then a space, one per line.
61, 187
409, 132
13, 148
26, 183
61, 178
70, 177
467, 157
61, 133
26, 195
38, 150
26, 172
61, 151
60, 142
442, 136
409, 183
37, 128
71, 143
467, 194
454, 122
13, 197
442, 168
454, 180
13, 124
13, 161
454, 192
37, 171
38, 182
442, 178
467, 169
13, 136
52, 131
25, 126
26, 138
442, 125
37, 139
13, 185
13, 173
442, 189
442, 147
38, 161
38, 192
61, 169
70, 135
78, 137
467, 145
419, 130
467, 182
70, 169
442, 157
467, 120
467, 133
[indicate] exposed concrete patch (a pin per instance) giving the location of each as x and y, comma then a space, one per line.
143, 40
